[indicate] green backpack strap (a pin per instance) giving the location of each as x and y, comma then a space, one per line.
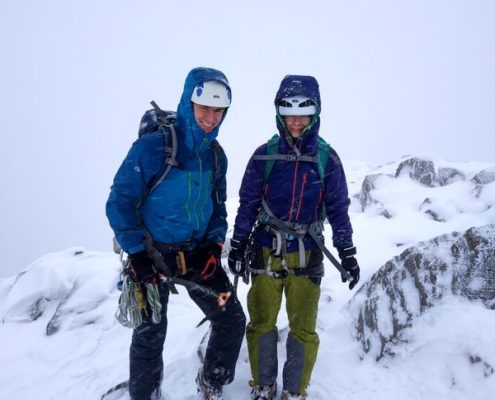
271, 149
323, 154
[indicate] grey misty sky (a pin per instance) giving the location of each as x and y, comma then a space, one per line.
396, 77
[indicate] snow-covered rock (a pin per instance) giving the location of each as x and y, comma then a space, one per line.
484, 177
448, 175
367, 197
68, 285
457, 264
420, 170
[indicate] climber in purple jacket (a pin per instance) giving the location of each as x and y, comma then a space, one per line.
291, 185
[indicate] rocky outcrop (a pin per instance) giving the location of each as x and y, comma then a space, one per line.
460, 264
481, 179
426, 172
376, 186
426, 208
447, 176
484, 177
366, 198
420, 170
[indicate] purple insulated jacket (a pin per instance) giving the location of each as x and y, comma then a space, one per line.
294, 190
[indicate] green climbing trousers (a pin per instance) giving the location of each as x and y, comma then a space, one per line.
264, 301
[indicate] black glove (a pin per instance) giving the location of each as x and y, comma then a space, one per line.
237, 256
142, 267
209, 259
350, 264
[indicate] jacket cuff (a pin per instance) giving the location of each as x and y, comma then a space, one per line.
136, 249
240, 236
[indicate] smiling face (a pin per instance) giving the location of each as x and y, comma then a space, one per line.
296, 124
207, 117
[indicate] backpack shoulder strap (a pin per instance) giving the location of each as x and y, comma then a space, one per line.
218, 154
270, 156
167, 163
166, 121
323, 154
169, 157
271, 150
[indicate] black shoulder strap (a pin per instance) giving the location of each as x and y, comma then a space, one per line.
167, 128
217, 153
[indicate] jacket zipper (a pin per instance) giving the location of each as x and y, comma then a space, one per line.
294, 182
303, 185
200, 188
189, 188
205, 197
320, 200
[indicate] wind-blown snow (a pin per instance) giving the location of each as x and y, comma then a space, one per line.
60, 340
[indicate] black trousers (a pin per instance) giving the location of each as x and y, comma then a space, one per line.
227, 333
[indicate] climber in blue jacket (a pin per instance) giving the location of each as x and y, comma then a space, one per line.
184, 219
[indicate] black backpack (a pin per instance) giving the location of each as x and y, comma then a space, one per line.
158, 120
155, 120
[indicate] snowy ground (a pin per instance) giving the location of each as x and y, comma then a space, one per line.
87, 351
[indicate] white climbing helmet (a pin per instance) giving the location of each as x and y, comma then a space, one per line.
296, 105
211, 93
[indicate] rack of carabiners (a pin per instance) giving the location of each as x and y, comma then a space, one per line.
139, 299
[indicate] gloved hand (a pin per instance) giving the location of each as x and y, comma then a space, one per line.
209, 259
350, 264
237, 256
142, 269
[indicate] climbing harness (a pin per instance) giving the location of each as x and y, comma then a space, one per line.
284, 231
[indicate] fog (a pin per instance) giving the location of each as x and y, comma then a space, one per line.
396, 77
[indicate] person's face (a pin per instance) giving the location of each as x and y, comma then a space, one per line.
296, 124
207, 117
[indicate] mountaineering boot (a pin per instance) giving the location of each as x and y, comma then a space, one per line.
207, 391
286, 395
263, 392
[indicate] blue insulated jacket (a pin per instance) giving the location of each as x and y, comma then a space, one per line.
294, 191
184, 206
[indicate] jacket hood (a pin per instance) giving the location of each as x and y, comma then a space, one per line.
191, 133
300, 85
